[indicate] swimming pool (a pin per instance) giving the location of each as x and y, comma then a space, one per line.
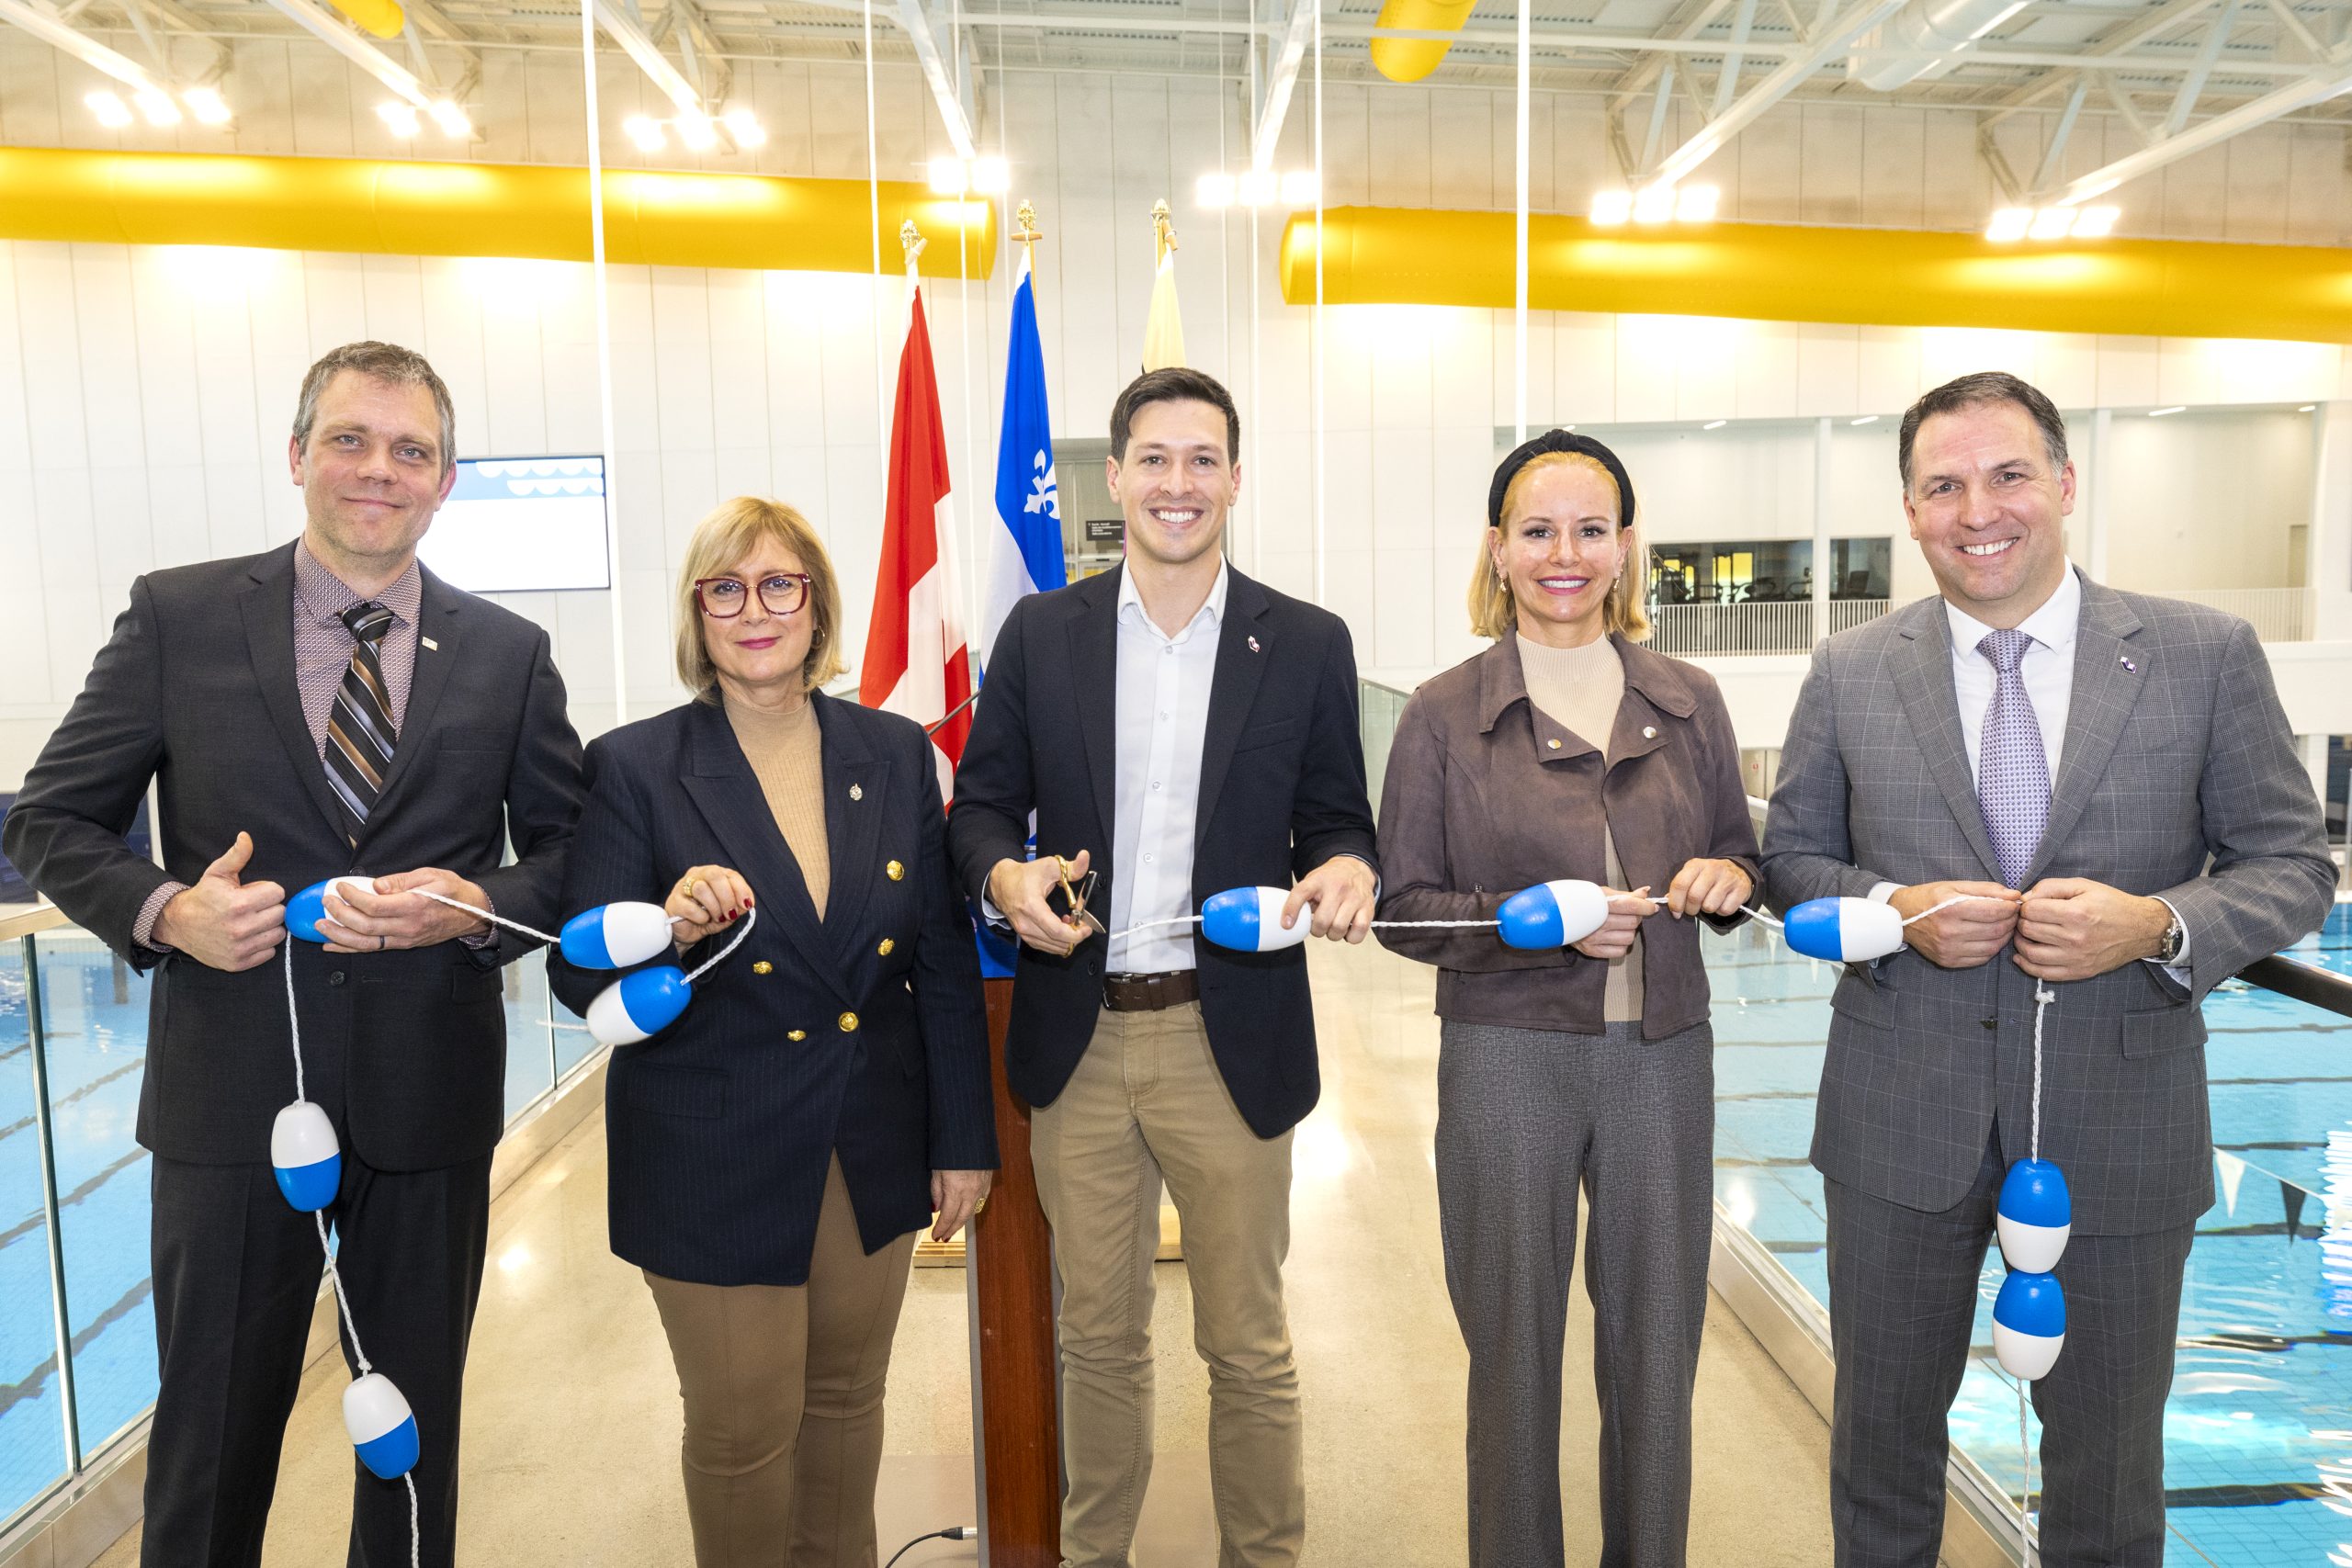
2259, 1433
94, 1009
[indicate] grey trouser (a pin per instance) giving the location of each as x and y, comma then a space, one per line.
1524, 1116
1903, 1293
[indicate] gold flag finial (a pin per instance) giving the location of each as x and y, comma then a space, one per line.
910, 240
1027, 236
1163, 230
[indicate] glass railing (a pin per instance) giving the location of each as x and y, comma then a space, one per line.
2258, 1449
77, 1330
1378, 708
2259, 1429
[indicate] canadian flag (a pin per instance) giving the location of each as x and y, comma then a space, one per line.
915, 660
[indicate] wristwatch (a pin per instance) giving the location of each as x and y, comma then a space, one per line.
2169, 950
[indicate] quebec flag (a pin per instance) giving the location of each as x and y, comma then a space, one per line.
1025, 553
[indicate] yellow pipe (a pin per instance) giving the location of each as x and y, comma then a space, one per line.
382, 17
477, 210
1411, 59
1784, 273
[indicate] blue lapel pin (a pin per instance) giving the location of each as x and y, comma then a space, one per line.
2125, 661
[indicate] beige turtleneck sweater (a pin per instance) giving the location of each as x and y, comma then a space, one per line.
1580, 688
786, 753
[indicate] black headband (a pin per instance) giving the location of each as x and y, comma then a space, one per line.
1560, 441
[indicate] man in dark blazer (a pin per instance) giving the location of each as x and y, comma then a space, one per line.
2110, 780
327, 707
1179, 731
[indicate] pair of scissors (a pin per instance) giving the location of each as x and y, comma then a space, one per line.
1078, 895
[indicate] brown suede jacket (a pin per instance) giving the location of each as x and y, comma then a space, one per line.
1486, 795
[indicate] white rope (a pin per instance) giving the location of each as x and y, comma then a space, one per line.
2025, 1482
555, 941
1126, 932
2042, 997
319, 1218
294, 1024
751, 919
334, 1277
1778, 924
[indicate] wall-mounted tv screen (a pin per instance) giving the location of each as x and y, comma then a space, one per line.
522, 525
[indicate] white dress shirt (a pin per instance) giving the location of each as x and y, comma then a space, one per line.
1162, 727
2048, 672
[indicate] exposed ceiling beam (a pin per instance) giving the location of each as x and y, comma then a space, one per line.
1727, 80
917, 22
1828, 43
2053, 157
1630, 86
337, 35
2155, 25
623, 30
2217, 33
1280, 81
42, 22
2208, 134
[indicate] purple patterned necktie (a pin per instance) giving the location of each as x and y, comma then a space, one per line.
2012, 770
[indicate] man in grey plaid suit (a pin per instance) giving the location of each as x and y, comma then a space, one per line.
2113, 776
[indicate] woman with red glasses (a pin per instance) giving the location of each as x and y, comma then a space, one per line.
826, 1095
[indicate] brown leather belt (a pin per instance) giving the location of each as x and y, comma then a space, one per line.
1151, 993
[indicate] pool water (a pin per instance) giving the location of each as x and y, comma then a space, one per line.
95, 1013
2258, 1432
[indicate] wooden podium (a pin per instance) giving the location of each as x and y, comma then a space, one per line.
1015, 1361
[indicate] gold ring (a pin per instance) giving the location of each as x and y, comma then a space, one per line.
692, 883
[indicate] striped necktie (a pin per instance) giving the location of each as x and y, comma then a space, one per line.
360, 735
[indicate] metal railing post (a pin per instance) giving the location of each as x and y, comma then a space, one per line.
45, 1137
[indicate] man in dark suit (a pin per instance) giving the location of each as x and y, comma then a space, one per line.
1179, 731
324, 708
2109, 780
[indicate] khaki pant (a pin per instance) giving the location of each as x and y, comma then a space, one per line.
783, 1386
1146, 1104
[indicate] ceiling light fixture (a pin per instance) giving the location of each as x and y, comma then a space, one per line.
400, 118
744, 127
112, 112
1696, 204
1866, 419
696, 132
645, 131
1714, 424
1214, 190
452, 121
1611, 207
157, 106
1654, 204
206, 104
2177, 407
2009, 223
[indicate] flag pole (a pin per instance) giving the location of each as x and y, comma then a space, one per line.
1027, 236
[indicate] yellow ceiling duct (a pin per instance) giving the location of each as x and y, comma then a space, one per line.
391, 207
1380, 255
382, 17
1411, 59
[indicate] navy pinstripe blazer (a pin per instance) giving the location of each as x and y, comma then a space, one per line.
2178, 777
866, 1036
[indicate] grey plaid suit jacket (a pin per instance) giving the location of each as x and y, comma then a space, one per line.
2178, 777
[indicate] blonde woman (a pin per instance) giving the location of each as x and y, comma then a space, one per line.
774, 1150
1568, 750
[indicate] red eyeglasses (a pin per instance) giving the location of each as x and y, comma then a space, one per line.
723, 598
